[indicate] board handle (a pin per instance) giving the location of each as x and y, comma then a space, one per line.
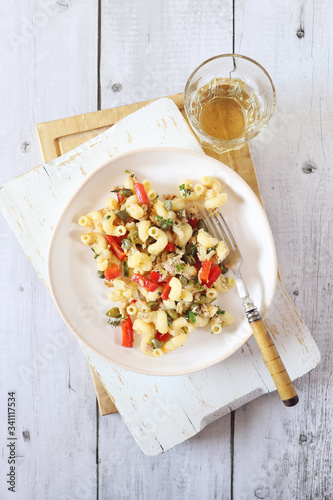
274, 363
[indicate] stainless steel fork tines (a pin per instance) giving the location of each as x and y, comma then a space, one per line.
218, 227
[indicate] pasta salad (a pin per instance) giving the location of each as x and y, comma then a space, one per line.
160, 262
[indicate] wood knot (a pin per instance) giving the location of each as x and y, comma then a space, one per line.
309, 167
296, 292
261, 492
303, 438
116, 87
62, 5
300, 33
26, 435
25, 147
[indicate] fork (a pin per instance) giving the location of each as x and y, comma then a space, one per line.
218, 227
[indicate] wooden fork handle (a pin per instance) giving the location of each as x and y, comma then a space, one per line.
274, 363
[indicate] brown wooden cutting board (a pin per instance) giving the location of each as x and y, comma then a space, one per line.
60, 136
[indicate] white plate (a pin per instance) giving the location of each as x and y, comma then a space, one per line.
82, 298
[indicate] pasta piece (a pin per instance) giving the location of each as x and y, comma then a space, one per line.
146, 346
211, 183
186, 295
221, 251
129, 184
131, 310
143, 328
215, 326
162, 322
216, 201
200, 190
135, 211
227, 318
143, 228
178, 204
160, 210
152, 195
161, 240
180, 340
205, 239
112, 204
183, 233
176, 289
200, 321
211, 294
147, 184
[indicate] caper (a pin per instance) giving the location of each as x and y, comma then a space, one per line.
100, 274
126, 243
125, 193
201, 225
191, 249
168, 205
165, 226
189, 259
150, 240
113, 313
201, 299
172, 313
183, 280
133, 234
122, 214
156, 343
223, 269
181, 213
153, 305
195, 307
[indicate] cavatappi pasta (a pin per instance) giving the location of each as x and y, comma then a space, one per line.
163, 267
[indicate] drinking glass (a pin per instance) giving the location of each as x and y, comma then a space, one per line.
228, 100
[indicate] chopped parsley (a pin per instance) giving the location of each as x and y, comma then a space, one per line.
219, 311
180, 267
107, 217
128, 172
211, 249
96, 254
184, 190
164, 224
114, 322
194, 281
190, 316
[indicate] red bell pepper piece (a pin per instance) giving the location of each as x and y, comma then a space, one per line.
192, 222
166, 290
116, 249
120, 199
162, 337
127, 332
112, 272
141, 193
213, 275
205, 270
146, 283
170, 247
156, 277
197, 264
119, 239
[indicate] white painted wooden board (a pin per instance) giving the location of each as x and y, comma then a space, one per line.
160, 412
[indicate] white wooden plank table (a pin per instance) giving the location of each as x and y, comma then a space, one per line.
55, 67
